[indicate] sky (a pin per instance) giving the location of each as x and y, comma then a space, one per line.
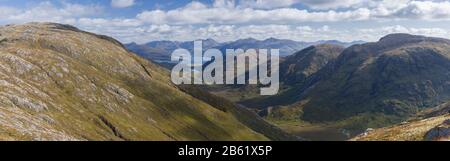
226, 20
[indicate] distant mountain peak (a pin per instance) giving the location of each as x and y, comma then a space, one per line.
210, 39
132, 43
271, 39
248, 39
401, 37
210, 42
308, 61
329, 41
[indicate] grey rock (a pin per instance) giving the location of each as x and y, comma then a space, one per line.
440, 132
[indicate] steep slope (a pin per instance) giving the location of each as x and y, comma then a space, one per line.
155, 54
60, 83
436, 111
409, 131
297, 67
431, 124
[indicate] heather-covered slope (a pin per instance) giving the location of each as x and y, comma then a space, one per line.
432, 124
416, 130
60, 83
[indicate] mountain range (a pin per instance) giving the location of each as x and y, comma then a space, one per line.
160, 51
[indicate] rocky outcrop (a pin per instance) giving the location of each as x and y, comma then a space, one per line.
440, 132
433, 128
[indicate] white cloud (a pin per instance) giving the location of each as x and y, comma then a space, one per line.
198, 13
425, 10
331, 4
222, 33
7, 11
374, 34
224, 3
132, 30
122, 3
314, 4
267, 4
46, 11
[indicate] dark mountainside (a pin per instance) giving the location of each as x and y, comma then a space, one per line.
297, 67
61, 83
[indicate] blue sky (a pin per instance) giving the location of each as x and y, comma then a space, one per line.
224, 20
